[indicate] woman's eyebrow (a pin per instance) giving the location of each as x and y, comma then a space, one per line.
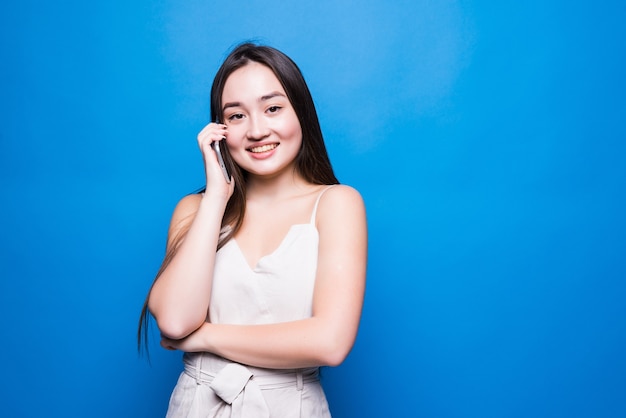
230, 104
271, 96
263, 98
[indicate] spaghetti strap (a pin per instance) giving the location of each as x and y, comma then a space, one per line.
317, 202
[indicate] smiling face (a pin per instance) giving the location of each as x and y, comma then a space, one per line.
264, 134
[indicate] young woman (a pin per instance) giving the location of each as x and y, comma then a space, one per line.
264, 277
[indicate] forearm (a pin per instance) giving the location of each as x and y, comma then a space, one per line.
180, 297
305, 343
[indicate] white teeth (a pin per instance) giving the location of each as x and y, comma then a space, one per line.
264, 148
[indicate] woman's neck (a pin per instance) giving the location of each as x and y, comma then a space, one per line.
275, 188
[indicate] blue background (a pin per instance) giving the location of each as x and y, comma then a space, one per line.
487, 139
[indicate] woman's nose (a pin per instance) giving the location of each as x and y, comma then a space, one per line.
257, 128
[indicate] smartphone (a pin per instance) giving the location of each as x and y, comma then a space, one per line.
218, 147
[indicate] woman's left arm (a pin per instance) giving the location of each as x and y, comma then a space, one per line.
328, 336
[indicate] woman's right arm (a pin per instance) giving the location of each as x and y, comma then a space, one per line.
179, 299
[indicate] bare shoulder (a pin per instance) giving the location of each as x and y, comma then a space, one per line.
341, 194
188, 204
184, 213
340, 203
342, 226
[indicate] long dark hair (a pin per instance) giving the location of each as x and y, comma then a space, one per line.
312, 161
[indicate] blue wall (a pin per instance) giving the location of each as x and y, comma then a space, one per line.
487, 139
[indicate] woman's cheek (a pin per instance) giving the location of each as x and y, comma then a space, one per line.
232, 140
234, 147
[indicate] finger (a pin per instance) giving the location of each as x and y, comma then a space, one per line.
213, 126
213, 130
209, 138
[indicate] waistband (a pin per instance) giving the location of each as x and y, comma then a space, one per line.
209, 369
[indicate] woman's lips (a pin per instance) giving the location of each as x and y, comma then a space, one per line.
262, 151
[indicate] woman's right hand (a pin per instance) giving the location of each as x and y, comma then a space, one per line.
216, 184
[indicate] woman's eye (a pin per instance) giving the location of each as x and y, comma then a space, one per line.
235, 116
273, 109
